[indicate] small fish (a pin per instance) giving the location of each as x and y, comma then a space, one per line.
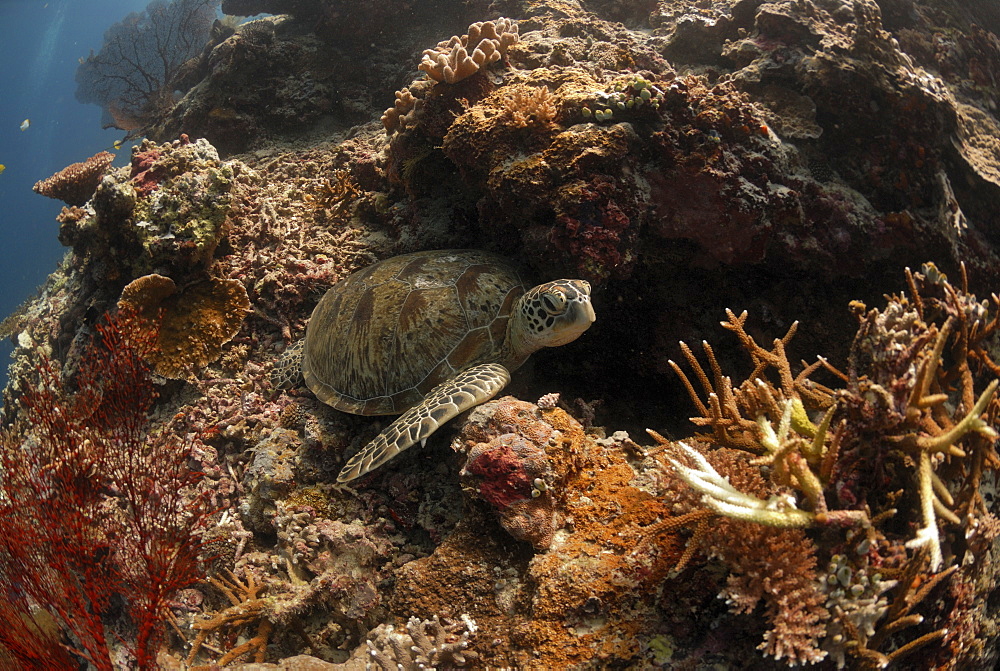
2, 168
25, 124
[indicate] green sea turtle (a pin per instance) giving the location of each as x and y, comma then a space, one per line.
428, 335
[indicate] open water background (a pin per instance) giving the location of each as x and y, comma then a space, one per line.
41, 43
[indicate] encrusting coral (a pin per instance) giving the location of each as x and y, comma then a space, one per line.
193, 323
75, 184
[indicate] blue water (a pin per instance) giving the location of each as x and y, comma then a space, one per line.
41, 43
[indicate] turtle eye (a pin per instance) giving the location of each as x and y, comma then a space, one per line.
554, 302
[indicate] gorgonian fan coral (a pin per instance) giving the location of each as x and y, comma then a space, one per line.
97, 514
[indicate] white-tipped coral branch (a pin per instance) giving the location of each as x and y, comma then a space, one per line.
934, 496
722, 497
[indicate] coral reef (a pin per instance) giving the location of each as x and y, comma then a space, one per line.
786, 158
75, 184
298, 72
164, 213
592, 592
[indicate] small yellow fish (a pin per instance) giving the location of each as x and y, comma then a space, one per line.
2, 168
118, 144
25, 124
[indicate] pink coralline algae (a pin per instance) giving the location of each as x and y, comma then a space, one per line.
143, 176
506, 465
592, 226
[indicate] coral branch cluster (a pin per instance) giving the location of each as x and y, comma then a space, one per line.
422, 644
912, 421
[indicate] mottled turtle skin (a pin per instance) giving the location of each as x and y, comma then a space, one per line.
430, 335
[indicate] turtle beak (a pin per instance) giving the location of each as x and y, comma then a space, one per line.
575, 321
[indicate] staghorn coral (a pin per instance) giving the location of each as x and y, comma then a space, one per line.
245, 608
76, 183
486, 43
766, 563
893, 420
194, 323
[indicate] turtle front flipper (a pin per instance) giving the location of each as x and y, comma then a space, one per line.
466, 390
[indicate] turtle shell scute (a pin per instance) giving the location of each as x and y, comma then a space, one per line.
382, 338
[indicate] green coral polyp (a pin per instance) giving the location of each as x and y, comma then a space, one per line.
624, 97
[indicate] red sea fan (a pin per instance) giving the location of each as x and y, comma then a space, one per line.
94, 511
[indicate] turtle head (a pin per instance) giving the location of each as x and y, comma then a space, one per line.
550, 315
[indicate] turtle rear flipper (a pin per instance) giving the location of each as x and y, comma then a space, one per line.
466, 390
287, 371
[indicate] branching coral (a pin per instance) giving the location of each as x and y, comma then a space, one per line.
246, 608
908, 416
423, 644
722, 497
862, 638
772, 564
76, 183
453, 60
529, 106
338, 195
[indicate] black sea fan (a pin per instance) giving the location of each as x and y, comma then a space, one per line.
130, 76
